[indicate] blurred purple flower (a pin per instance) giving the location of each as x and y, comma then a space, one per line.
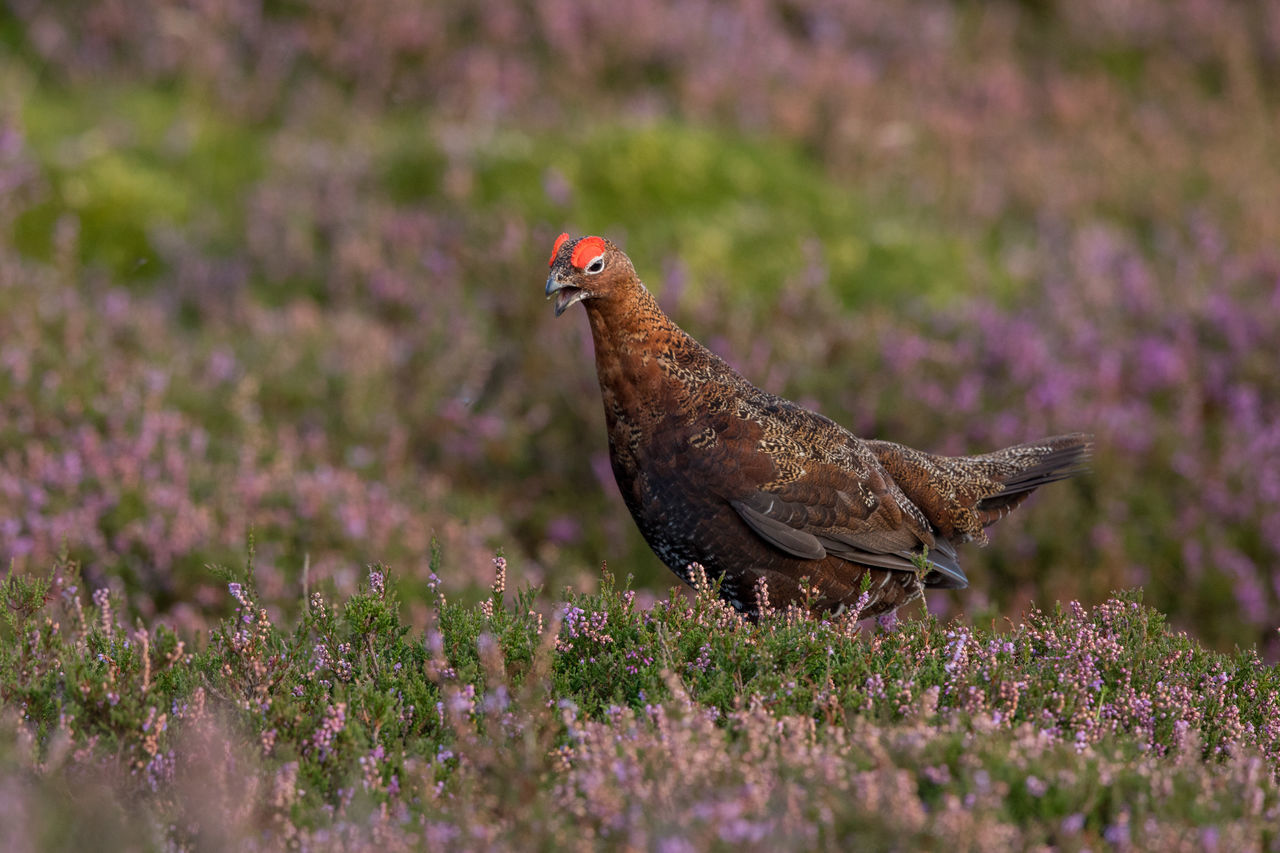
564, 530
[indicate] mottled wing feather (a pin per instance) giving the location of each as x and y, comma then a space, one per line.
791, 526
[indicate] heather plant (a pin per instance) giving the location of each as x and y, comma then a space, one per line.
494, 727
270, 297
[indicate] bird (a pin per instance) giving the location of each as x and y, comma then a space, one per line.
775, 502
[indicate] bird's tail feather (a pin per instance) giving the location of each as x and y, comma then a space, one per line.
1046, 461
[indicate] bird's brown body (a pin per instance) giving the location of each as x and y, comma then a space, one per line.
716, 471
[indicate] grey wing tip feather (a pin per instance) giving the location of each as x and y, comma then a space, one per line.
945, 571
780, 534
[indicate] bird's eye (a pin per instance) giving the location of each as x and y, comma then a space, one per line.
595, 266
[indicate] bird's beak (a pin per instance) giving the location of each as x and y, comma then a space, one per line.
566, 294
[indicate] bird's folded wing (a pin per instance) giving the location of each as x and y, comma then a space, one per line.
812, 523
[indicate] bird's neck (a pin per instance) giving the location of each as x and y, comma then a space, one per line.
639, 352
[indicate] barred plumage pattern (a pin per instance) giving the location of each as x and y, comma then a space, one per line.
757, 489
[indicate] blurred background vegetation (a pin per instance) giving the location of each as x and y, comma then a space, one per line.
273, 270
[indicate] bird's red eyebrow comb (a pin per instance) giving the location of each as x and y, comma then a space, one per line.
587, 248
555, 250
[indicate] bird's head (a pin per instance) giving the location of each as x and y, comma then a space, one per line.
587, 268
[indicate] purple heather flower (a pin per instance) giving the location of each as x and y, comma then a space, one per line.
1072, 824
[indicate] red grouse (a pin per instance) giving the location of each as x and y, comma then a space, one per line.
752, 486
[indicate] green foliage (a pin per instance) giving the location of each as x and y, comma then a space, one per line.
129, 164
755, 213
1087, 720
126, 164
281, 270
